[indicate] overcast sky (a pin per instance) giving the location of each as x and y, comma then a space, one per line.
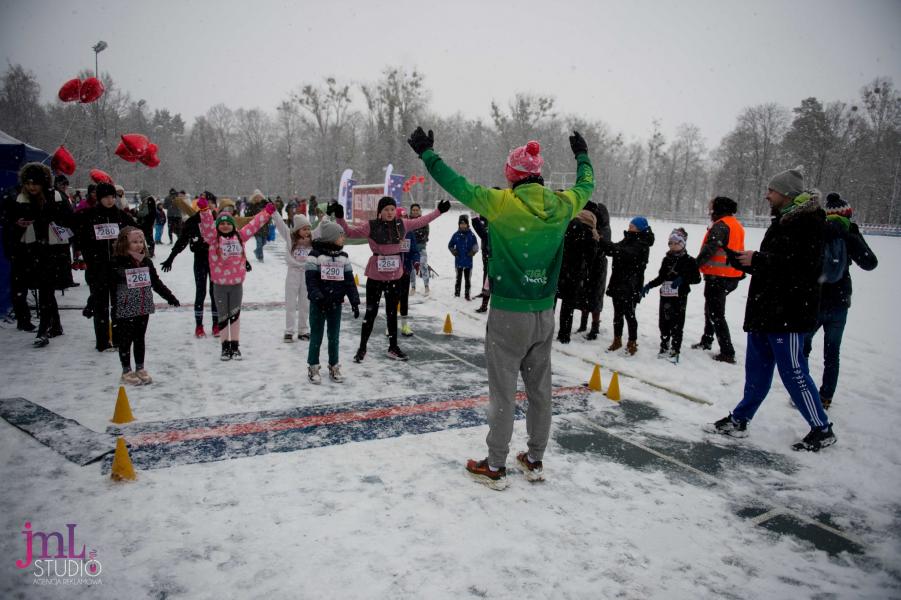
625, 63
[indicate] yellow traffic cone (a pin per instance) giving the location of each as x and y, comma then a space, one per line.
594, 384
122, 413
448, 328
123, 470
613, 390
356, 280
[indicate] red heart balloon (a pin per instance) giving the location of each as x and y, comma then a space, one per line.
98, 176
62, 161
91, 89
136, 143
70, 91
422, 179
151, 150
123, 153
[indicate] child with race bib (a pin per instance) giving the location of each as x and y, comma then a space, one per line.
677, 272
228, 267
297, 305
384, 271
133, 279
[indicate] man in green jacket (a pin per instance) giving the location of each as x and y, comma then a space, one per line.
526, 226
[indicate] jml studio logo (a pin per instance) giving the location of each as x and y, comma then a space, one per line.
56, 559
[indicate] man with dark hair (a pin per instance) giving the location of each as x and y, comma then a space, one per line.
527, 222
720, 278
782, 307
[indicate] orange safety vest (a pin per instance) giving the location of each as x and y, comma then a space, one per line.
717, 264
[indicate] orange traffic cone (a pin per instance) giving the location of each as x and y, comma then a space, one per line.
122, 412
613, 390
448, 328
594, 384
123, 470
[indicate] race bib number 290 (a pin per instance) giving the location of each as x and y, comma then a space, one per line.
106, 231
137, 278
332, 272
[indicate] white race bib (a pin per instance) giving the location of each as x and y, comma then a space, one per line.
230, 247
300, 254
405, 245
137, 278
332, 271
388, 264
668, 291
63, 233
106, 231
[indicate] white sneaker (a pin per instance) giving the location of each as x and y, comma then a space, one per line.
334, 373
425, 292
144, 376
412, 291
130, 378
313, 374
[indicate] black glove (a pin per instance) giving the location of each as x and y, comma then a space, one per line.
577, 143
420, 141
356, 310
167, 265
444, 206
174, 302
454, 251
247, 266
338, 211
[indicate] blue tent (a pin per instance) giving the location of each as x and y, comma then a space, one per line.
13, 154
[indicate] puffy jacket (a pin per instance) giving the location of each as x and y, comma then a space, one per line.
579, 249
228, 263
463, 245
673, 266
330, 275
630, 257
97, 230
838, 294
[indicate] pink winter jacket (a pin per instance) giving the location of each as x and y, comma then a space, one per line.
227, 257
385, 250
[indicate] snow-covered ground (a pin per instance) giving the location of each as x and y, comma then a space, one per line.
399, 518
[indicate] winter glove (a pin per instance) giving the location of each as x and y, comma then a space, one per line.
247, 266
645, 289
420, 141
269, 208
338, 211
444, 206
203, 204
677, 283
577, 143
356, 309
167, 265
454, 251
174, 302
472, 252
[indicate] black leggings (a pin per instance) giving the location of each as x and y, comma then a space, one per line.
624, 308
201, 280
466, 274
131, 332
374, 290
403, 290
672, 322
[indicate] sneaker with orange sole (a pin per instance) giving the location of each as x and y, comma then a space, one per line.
482, 473
534, 471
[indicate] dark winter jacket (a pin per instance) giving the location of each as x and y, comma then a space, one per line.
190, 236
134, 287
630, 257
328, 260
411, 257
40, 251
680, 265
480, 226
422, 237
838, 294
91, 222
784, 295
597, 272
253, 209
463, 245
579, 249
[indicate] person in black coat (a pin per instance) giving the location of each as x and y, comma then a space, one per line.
146, 221
98, 229
783, 302
630, 257
580, 243
678, 272
835, 297
38, 222
597, 275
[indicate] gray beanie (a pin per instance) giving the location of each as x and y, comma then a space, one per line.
301, 221
329, 231
788, 183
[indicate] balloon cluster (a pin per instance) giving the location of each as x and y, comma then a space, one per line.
85, 91
413, 180
136, 147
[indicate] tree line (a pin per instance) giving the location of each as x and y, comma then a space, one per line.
301, 146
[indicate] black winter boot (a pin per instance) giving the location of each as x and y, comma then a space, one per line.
226, 350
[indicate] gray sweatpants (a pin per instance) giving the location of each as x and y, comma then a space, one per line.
518, 343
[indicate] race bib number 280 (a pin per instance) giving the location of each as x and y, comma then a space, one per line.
106, 231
